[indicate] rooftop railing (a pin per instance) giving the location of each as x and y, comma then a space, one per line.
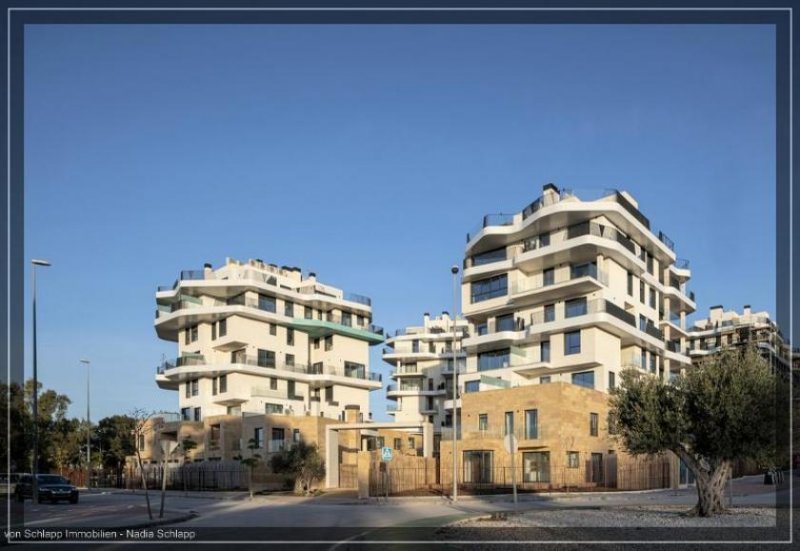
499, 219
666, 240
682, 264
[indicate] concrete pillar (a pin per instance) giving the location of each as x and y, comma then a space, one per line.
331, 458
363, 474
427, 439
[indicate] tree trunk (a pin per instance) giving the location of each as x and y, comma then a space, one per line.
710, 483
144, 483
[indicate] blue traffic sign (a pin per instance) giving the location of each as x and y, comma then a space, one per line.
386, 454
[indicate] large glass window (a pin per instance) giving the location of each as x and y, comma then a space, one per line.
584, 378
505, 323
483, 421
288, 309
356, 370
308, 312
477, 466
572, 343
289, 336
266, 358
489, 256
471, 386
223, 327
593, 424
509, 422
198, 416
544, 239
575, 307
549, 312
266, 303
531, 423
612, 379
492, 287
258, 437
273, 408
347, 319
494, 359
195, 387
545, 351
630, 284
536, 466
585, 269
482, 328
549, 276
573, 460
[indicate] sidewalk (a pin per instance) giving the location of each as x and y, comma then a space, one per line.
225, 496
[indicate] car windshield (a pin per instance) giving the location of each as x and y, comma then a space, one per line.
51, 479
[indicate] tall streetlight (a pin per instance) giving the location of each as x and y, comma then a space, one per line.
88, 429
454, 271
35, 462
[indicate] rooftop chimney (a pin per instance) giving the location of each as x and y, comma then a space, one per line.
746, 311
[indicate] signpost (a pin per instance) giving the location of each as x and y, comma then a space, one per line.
386, 456
511, 445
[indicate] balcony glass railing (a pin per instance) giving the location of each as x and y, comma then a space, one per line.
562, 277
270, 363
499, 219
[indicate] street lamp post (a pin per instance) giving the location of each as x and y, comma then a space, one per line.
35, 461
454, 271
88, 430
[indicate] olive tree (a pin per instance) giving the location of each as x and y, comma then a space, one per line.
303, 461
719, 411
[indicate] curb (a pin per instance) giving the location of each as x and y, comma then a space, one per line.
160, 522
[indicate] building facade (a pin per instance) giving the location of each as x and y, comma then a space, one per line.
422, 360
574, 291
258, 344
723, 329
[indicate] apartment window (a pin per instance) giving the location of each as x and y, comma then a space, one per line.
185, 414
188, 391
612, 379
214, 386
356, 370
652, 298
549, 276
544, 379
572, 343
478, 466
398, 443
489, 288
213, 331
316, 343
273, 329
584, 378
258, 437
278, 440
593, 423
643, 363
266, 303
494, 359
642, 323
472, 386
296, 436
544, 349
630, 284
650, 263
509, 422
273, 408
489, 256
186, 336
411, 444
288, 309
573, 460
549, 312
381, 442
347, 319
197, 415
531, 423
575, 307
223, 384
290, 390
329, 394
329, 343
504, 323
652, 363
316, 368
308, 312
266, 358
290, 360
360, 320
641, 292
192, 333
482, 328
195, 387
483, 421
612, 423
585, 269
536, 466
223, 327
290, 336
544, 239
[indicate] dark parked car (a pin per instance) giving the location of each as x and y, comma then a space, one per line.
51, 488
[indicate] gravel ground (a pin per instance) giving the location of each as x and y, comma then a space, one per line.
658, 516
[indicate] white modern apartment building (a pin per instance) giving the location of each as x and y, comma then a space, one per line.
729, 328
422, 357
573, 291
254, 338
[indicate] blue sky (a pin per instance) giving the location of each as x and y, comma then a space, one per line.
365, 153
